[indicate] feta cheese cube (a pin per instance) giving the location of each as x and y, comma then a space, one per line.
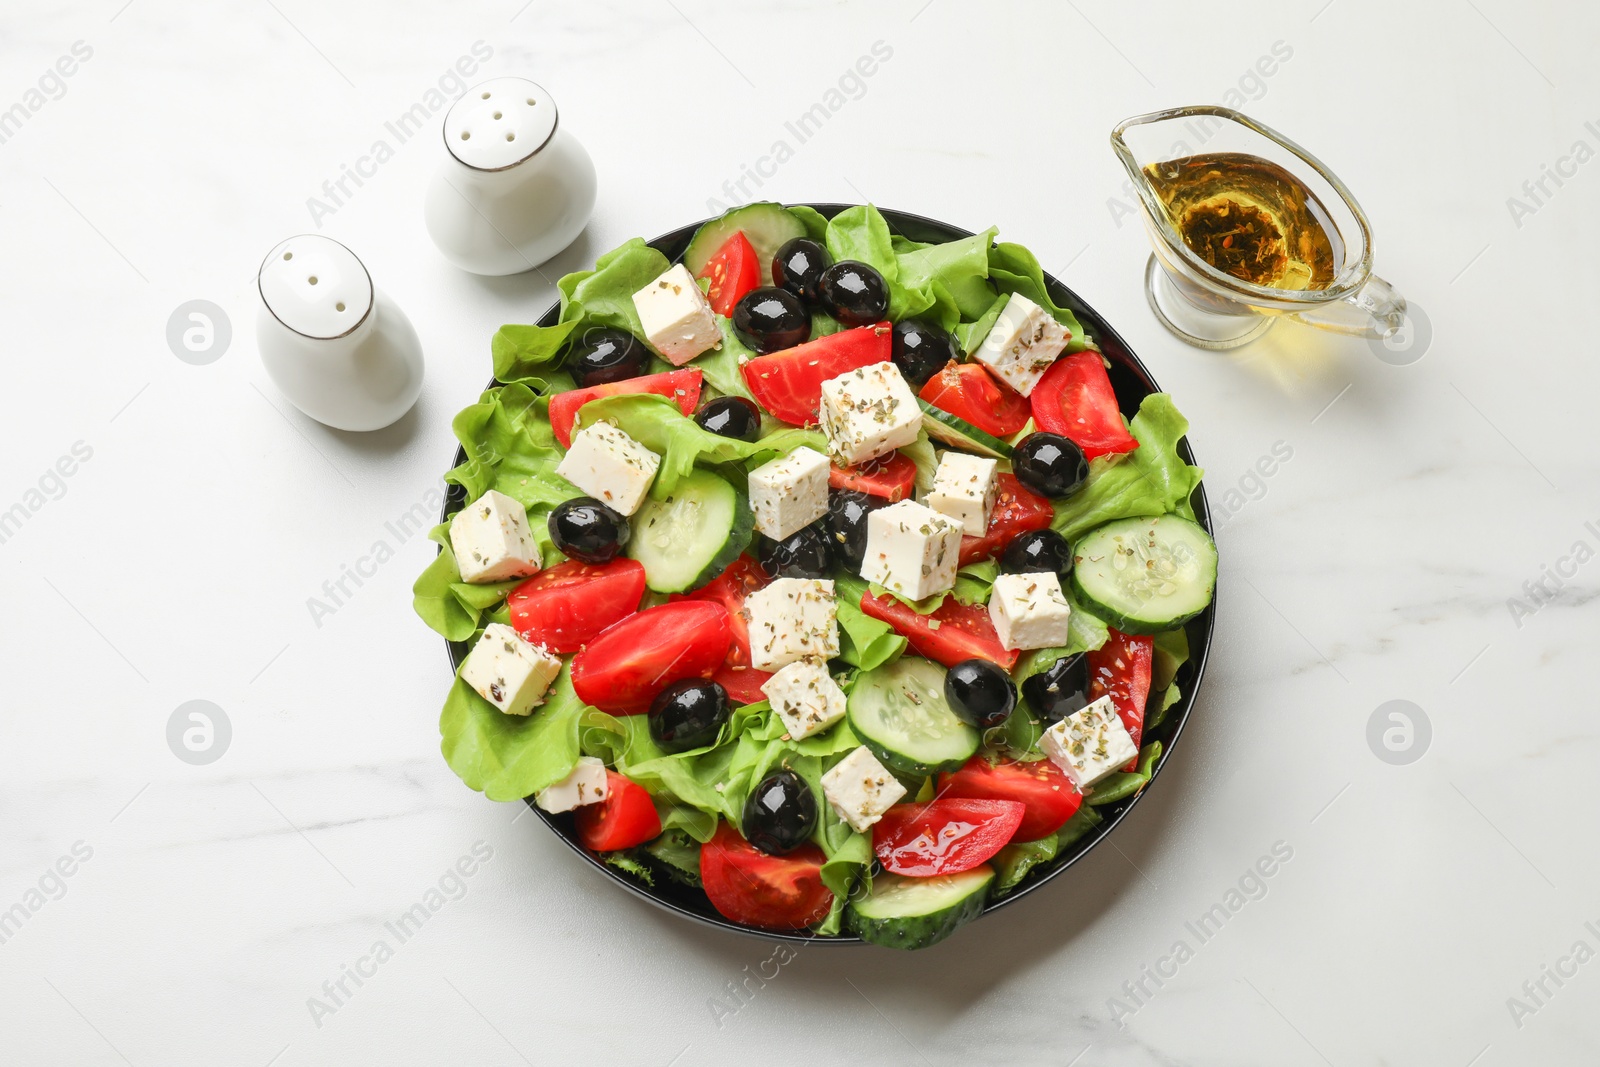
508, 672
860, 789
676, 317
789, 493
911, 549
867, 413
610, 466
1089, 744
1029, 611
491, 540
964, 490
585, 785
806, 698
792, 619
1022, 343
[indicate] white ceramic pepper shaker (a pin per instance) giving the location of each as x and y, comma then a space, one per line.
514, 188
332, 342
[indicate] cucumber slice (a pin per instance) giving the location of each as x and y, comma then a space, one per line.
690, 537
959, 433
917, 912
767, 226
1145, 575
898, 711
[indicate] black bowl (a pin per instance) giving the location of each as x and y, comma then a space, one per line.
1132, 382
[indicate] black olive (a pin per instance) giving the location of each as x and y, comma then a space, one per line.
1050, 465
588, 530
1037, 552
847, 524
1059, 691
730, 416
803, 554
854, 293
780, 813
798, 267
979, 692
604, 355
921, 349
771, 319
688, 714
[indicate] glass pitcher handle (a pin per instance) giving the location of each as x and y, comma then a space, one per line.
1375, 310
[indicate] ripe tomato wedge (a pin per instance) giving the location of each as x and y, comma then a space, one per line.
1121, 667
945, 836
1016, 510
1048, 795
626, 817
680, 385
564, 606
951, 633
788, 384
1075, 400
772, 892
891, 477
743, 577
623, 669
968, 391
733, 271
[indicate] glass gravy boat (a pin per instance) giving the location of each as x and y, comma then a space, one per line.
1215, 308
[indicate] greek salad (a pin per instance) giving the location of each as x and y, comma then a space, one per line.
820, 571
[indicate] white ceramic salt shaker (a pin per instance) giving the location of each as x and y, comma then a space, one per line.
514, 188
332, 342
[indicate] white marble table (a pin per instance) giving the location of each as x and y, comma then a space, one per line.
208, 905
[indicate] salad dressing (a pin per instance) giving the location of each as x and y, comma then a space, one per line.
1249, 217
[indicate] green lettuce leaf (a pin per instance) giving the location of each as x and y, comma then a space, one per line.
532, 355
721, 365
628, 862
812, 219
604, 296
1012, 863
970, 335
1150, 480
926, 459
511, 447
943, 282
860, 233
656, 423
1171, 652
864, 642
452, 608
1015, 270
719, 779
822, 324
1124, 784
954, 275
509, 757
1080, 824
1018, 736
678, 851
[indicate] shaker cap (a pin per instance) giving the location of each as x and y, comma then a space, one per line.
499, 123
315, 286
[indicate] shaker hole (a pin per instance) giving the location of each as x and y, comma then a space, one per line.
511, 137
312, 279
497, 114
530, 101
288, 255
466, 135
486, 96
339, 306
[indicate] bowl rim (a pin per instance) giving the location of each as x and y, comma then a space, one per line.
1200, 629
